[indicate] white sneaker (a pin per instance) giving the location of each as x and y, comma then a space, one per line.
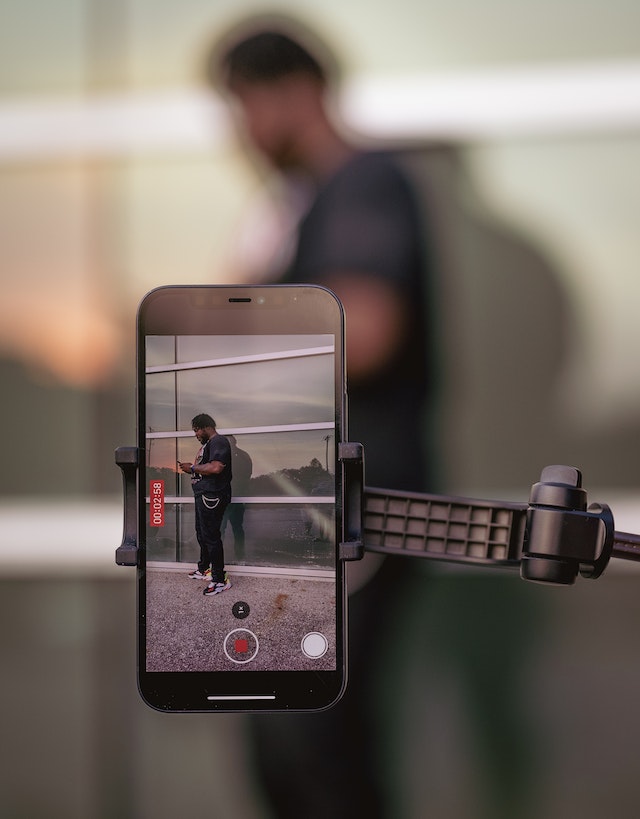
198, 575
216, 588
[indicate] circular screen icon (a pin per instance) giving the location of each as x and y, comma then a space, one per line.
240, 610
241, 645
314, 645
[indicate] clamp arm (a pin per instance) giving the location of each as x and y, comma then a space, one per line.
128, 459
626, 546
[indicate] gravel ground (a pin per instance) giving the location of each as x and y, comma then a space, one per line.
187, 631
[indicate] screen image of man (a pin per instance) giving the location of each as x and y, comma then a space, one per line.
211, 476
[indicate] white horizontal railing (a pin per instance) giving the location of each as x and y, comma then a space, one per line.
253, 571
43, 538
255, 499
509, 100
248, 430
240, 359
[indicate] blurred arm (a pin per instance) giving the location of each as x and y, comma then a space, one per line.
375, 313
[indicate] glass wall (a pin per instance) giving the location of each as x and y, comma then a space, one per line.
273, 397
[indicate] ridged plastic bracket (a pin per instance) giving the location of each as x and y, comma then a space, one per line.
128, 459
449, 529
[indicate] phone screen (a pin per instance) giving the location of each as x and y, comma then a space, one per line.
241, 400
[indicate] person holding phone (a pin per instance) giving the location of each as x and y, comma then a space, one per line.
211, 475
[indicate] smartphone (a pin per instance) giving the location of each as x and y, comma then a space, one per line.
241, 410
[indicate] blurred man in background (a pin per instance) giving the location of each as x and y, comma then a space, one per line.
359, 234
359, 229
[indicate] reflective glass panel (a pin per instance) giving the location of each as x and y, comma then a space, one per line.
299, 536
161, 463
161, 402
299, 463
161, 350
286, 391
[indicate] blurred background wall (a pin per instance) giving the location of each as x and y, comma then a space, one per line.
120, 172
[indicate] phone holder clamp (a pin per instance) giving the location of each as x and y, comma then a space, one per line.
128, 459
552, 539
351, 456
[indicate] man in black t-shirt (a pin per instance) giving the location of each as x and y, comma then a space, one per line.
363, 238
211, 481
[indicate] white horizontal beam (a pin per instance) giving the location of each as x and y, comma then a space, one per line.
243, 359
273, 500
68, 538
510, 101
310, 427
532, 101
107, 126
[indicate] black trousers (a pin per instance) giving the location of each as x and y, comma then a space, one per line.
210, 508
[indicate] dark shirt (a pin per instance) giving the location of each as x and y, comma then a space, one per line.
217, 448
366, 219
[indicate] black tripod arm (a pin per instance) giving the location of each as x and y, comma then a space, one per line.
551, 539
626, 546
